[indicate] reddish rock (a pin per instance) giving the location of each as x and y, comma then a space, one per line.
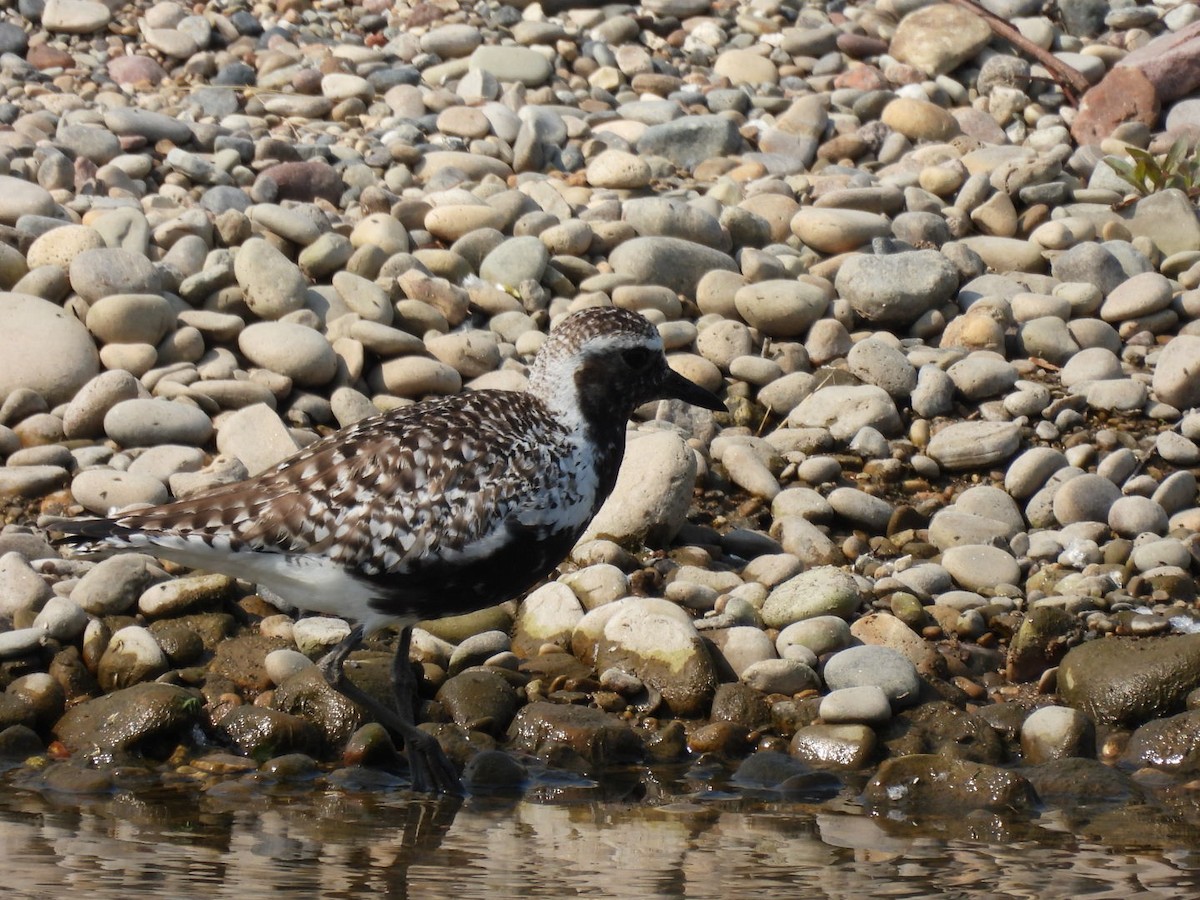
43, 56
1171, 63
863, 78
1124, 95
130, 70
305, 181
424, 14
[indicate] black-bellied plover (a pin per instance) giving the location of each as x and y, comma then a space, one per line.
429, 510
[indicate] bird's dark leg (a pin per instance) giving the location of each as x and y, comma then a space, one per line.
432, 771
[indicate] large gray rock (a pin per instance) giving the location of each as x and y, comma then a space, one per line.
896, 289
144, 717
668, 261
847, 409
690, 140
1127, 681
928, 782
649, 504
824, 591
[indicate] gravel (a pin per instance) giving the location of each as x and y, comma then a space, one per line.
959, 362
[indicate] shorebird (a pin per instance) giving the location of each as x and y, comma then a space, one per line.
429, 510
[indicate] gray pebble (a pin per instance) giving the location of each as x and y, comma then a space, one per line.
883, 667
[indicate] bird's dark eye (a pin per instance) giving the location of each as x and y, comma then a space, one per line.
637, 358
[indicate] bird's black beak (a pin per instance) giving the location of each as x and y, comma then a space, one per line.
677, 387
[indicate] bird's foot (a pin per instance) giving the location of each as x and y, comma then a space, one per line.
431, 769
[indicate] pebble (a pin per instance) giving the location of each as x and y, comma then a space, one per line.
300, 353
867, 704
272, 284
823, 591
149, 422
882, 667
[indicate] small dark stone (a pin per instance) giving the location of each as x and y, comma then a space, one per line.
291, 767
596, 737
844, 747
741, 705
1045, 635
182, 645
480, 700
307, 695
245, 23
768, 770
303, 181
261, 733
236, 73
69, 671
1172, 744
14, 712
669, 742
939, 727
924, 783
72, 778
494, 772
1074, 782
20, 742
242, 660
724, 739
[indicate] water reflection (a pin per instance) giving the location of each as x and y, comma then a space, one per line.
239, 839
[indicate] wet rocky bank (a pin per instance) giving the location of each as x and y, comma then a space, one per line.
939, 553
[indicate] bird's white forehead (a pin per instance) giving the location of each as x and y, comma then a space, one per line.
615, 343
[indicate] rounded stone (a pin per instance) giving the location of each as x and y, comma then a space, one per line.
272, 284
974, 445
130, 318
516, 260
59, 246
1133, 515
866, 704
779, 308
668, 261
829, 230
822, 591
145, 423
886, 668
1175, 380
19, 197
112, 270
299, 352
43, 348
919, 120
877, 362
817, 635
619, 170
1087, 498
977, 566
897, 288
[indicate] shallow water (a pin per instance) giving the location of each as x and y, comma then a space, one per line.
241, 839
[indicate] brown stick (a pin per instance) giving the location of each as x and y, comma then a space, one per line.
1072, 81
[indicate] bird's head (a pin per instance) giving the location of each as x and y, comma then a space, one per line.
601, 363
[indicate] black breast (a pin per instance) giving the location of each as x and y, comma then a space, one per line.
444, 588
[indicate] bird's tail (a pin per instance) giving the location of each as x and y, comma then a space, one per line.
86, 535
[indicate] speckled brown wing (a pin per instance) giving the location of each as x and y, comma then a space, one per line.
429, 481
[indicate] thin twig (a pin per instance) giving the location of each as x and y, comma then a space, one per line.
1072, 81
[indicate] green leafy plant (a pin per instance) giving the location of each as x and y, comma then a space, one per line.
1147, 173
